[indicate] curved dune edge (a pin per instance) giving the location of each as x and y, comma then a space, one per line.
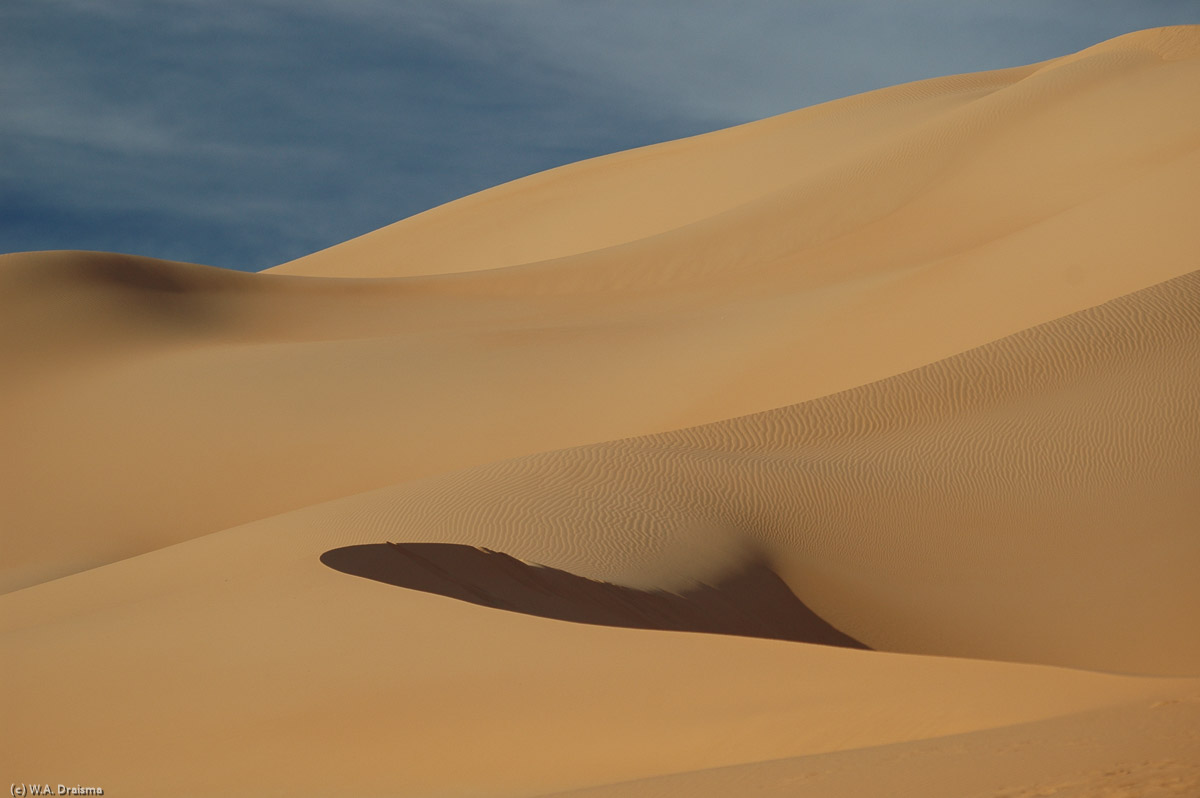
753, 602
957, 509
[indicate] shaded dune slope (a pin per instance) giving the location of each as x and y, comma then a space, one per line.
753, 602
1033, 499
766, 265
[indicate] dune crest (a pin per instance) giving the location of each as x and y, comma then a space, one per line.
568, 210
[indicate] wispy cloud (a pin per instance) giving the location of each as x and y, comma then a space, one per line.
247, 133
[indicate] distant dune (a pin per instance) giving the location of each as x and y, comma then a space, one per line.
906, 386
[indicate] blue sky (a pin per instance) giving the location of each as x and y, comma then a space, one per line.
245, 133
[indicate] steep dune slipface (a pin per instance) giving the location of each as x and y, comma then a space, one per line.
750, 600
818, 251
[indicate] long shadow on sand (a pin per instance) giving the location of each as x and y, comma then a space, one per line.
754, 603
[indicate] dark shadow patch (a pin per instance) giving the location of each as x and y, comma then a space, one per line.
753, 603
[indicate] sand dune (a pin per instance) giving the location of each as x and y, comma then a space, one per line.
915, 240
238, 663
916, 370
959, 509
923, 133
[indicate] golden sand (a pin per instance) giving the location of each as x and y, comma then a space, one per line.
664, 441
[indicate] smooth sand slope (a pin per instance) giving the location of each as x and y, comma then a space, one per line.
917, 370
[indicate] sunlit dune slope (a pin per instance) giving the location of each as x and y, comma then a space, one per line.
1143, 749
755, 268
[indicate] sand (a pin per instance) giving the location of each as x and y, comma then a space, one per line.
849, 452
